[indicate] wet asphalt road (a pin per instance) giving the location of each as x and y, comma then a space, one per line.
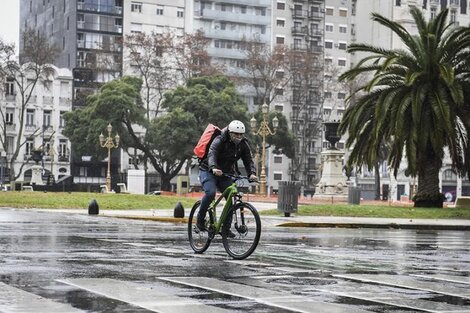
56, 262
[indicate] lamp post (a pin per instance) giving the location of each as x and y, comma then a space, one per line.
50, 179
263, 131
109, 143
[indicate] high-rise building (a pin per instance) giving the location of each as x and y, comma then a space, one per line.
88, 34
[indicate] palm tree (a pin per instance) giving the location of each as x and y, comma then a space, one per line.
417, 101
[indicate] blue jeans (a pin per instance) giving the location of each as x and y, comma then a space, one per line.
210, 183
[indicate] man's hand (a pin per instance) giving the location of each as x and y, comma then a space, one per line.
253, 177
217, 172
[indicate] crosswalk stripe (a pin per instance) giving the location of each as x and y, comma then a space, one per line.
408, 282
398, 301
449, 278
268, 297
141, 296
16, 300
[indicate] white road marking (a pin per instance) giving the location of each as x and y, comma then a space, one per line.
408, 282
449, 278
16, 300
141, 296
268, 297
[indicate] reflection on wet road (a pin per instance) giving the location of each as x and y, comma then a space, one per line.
55, 262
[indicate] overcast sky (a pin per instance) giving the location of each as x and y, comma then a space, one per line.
9, 21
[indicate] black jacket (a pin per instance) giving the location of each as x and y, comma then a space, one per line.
224, 154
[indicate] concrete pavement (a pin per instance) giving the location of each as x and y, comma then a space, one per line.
294, 220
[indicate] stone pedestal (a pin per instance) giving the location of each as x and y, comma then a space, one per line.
36, 176
332, 182
136, 181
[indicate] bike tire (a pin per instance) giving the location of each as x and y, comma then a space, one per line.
198, 240
242, 220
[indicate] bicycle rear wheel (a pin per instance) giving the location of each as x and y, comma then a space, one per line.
241, 231
199, 240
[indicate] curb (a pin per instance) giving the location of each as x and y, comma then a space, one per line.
387, 226
182, 220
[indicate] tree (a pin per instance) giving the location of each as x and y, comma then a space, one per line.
170, 138
164, 61
417, 101
33, 67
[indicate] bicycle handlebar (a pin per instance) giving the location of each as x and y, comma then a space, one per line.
240, 177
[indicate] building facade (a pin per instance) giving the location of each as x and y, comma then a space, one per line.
42, 128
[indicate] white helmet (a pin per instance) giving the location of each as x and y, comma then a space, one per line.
236, 126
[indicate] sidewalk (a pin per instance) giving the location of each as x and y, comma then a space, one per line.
293, 220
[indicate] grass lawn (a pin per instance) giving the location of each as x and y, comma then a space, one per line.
378, 211
81, 200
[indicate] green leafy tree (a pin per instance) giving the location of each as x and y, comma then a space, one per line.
417, 101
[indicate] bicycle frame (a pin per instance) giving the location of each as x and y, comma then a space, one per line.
228, 194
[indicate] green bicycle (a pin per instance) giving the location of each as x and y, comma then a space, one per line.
239, 224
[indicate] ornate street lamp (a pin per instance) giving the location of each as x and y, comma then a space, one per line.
263, 131
108, 143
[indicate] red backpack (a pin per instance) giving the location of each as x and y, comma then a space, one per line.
202, 147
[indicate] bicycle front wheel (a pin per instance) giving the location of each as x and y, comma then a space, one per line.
241, 231
199, 240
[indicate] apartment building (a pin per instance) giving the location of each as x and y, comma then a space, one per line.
43, 125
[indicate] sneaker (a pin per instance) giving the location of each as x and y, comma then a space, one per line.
200, 225
230, 234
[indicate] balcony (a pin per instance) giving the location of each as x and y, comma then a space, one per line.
10, 127
226, 53
257, 3
10, 96
315, 15
47, 100
99, 8
65, 101
299, 13
232, 35
63, 158
299, 30
232, 17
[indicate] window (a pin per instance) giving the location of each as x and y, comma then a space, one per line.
62, 147
327, 96
341, 62
47, 118
343, 29
279, 107
10, 86
136, 28
29, 146
280, 23
9, 116
159, 11
278, 159
136, 7
342, 45
179, 14
279, 91
453, 16
62, 119
277, 176
341, 95
328, 44
281, 6
433, 12
30, 117
329, 11
343, 12
10, 144
397, 3
329, 28
280, 40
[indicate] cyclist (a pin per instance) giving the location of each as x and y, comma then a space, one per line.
224, 152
